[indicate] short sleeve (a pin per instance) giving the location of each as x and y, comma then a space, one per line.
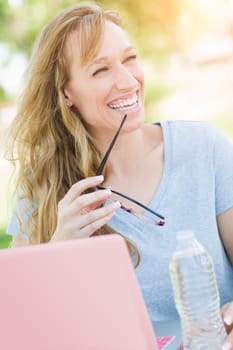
13, 228
223, 164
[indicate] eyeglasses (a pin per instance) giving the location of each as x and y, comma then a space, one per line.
160, 220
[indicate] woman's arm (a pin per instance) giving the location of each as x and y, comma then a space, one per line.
225, 227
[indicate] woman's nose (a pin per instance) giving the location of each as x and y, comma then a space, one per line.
124, 79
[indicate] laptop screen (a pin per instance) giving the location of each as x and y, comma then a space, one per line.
74, 295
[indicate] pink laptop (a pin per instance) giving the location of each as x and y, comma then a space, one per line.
74, 295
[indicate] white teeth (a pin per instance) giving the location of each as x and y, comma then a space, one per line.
130, 102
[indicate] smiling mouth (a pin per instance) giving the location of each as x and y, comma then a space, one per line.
123, 105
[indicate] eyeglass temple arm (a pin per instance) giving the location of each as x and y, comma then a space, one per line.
101, 167
134, 201
104, 160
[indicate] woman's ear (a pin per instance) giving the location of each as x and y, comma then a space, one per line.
67, 96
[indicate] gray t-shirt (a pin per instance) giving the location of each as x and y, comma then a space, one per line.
196, 185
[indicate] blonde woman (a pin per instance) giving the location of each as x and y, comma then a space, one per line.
83, 79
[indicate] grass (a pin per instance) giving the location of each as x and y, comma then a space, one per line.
4, 238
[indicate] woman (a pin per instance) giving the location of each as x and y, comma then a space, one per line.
83, 78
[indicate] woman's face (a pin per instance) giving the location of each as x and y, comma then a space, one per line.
109, 86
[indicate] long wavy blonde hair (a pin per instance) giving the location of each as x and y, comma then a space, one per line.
48, 140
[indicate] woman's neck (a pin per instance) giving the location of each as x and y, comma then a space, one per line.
132, 150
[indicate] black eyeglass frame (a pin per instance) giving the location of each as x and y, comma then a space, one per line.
100, 169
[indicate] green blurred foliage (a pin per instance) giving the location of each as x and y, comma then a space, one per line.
5, 240
3, 95
151, 23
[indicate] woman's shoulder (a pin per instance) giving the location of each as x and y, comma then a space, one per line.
189, 132
190, 126
195, 140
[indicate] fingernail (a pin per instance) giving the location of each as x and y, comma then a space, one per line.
228, 320
227, 346
116, 204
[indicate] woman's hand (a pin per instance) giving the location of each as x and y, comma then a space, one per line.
80, 215
227, 315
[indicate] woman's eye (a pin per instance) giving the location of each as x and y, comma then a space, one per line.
103, 69
132, 57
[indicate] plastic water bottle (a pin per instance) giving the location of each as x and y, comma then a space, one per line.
196, 295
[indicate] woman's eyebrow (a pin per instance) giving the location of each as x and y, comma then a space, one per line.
97, 61
105, 58
129, 48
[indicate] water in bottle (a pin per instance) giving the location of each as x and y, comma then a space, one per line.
196, 295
